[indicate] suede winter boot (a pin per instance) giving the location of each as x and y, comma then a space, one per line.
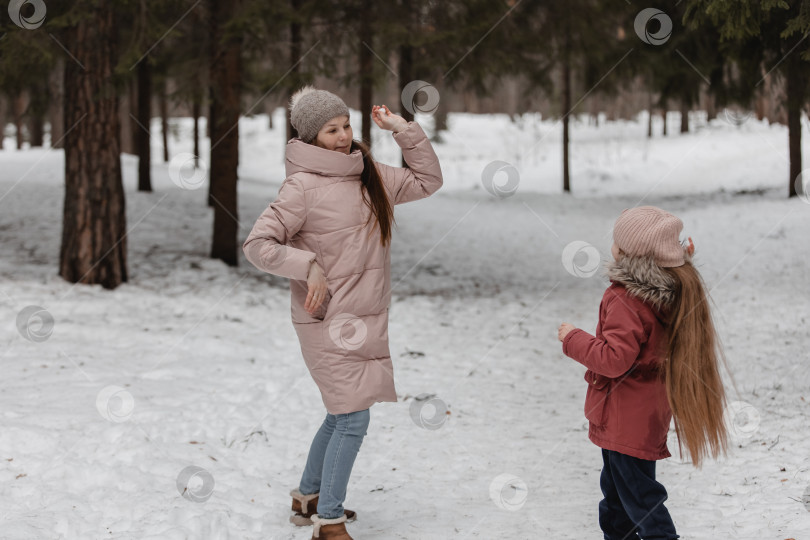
306, 506
329, 529
303, 508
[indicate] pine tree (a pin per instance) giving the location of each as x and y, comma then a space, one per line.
94, 226
678, 66
226, 80
574, 42
772, 34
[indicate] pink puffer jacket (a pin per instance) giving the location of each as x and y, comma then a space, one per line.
320, 214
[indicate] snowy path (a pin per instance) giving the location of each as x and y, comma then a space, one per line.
211, 362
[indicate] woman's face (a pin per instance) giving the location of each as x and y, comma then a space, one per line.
336, 135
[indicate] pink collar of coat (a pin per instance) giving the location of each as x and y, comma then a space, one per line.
303, 157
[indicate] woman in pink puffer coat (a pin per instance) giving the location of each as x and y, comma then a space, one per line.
329, 231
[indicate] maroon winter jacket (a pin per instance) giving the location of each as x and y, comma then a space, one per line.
626, 403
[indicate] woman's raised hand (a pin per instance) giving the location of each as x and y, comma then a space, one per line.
385, 119
317, 288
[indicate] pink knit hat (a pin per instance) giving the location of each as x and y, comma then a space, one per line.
647, 231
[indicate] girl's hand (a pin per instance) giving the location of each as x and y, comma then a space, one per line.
564, 330
690, 249
317, 288
385, 119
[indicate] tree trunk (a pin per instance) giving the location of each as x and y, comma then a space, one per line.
210, 114
684, 117
795, 98
595, 106
126, 110
226, 82
439, 121
37, 110
760, 106
143, 142
566, 110
164, 120
711, 107
94, 242
405, 74
2, 121
196, 110
366, 70
55, 105
210, 130
214, 29
405, 69
664, 118
133, 100
36, 123
19, 104
295, 64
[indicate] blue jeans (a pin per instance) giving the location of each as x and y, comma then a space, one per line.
634, 500
330, 460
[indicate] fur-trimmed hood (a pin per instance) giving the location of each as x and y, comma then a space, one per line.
645, 280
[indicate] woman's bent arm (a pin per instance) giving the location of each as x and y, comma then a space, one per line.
265, 246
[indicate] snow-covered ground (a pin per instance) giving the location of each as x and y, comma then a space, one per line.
195, 364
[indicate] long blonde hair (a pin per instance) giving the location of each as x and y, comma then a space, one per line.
691, 369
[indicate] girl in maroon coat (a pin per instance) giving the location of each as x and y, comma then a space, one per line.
654, 358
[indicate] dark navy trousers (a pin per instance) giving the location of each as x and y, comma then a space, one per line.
633, 506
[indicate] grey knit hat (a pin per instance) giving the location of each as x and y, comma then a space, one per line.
647, 231
310, 109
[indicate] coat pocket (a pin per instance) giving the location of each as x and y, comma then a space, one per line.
320, 313
596, 398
